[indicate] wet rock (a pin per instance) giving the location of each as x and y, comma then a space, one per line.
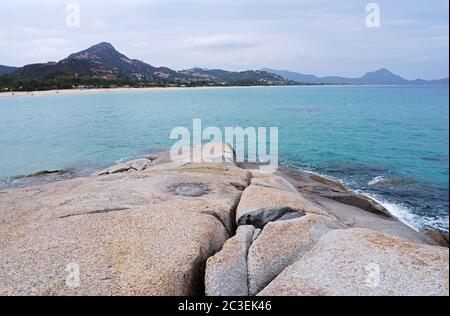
226, 272
282, 243
312, 184
46, 173
189, 189
360, 262
307, 181
355, 217
334, 185
439, 237
361, 202
262, 217
40, 178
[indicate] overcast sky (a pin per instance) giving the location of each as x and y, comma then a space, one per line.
324, 37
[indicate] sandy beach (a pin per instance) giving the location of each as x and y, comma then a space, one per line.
113, 90
79, 91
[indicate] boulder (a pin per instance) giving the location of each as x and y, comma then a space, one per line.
263, 216
226, 272
360, 262
125, 233
262, 199
280, 244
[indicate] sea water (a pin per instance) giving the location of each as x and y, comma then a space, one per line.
391, 143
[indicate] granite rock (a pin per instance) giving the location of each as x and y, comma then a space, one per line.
280, 244
226, 272
360, 262
127, 233
256, 198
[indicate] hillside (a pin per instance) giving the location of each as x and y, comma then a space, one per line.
379, 77
101, 61
104, 63
7, 69
243, 77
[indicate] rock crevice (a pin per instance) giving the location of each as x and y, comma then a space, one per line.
289, 227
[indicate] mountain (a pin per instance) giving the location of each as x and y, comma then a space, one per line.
105, 62
101, 61
7, 69
379, 77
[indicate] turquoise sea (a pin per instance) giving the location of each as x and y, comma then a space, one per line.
391, 143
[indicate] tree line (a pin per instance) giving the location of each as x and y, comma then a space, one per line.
8, 83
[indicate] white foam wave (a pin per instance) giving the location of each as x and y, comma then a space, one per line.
377, 180
124, 160
401, 212
407, 217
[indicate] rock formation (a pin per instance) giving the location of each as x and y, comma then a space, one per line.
155, 226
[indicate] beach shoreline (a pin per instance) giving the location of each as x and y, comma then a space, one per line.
65, 92
12, 94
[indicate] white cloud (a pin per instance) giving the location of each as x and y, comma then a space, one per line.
417, 60
218, 41
324, 37
92, 24
402, 22
45, 49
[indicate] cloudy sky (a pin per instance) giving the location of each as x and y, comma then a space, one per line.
324, 37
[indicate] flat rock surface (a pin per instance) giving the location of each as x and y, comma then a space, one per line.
141, 233
271, 181
367, 263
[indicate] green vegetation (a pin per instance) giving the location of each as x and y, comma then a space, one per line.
63, 82
7, 83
